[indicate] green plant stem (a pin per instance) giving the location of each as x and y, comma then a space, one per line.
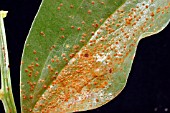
6, 89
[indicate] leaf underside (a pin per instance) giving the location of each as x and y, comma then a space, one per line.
78, 53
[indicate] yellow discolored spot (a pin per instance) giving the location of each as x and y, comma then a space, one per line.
67, 46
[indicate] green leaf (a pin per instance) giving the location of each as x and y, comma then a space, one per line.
6, 90
79, 53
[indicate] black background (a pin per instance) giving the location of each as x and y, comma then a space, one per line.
148, 87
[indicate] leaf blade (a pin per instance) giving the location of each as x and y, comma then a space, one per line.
118, 77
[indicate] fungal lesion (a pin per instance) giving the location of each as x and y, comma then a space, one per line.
1, 94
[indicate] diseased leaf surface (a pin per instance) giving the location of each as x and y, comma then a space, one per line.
78, 53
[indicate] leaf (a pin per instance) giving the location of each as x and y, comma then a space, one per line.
78, 53
6, 90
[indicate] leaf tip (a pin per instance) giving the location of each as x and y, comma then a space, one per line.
3, 14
